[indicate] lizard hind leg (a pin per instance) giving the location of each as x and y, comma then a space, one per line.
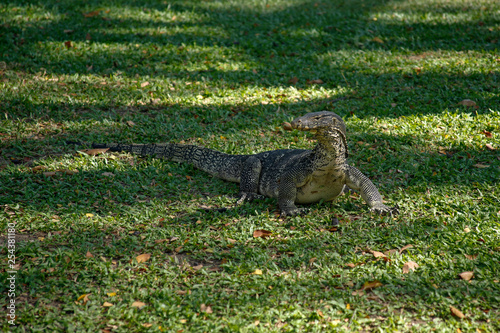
249, 180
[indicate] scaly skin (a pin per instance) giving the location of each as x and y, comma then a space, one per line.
292, 176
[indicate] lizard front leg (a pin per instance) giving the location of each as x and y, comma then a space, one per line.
287, 194
249, 180
357, 181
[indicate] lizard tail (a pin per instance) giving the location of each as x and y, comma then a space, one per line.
221, 165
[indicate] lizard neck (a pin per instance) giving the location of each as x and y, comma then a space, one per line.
331, 150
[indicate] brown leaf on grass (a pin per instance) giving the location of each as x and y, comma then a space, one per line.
130, 123
107, 304
260, 233
471, 257
467, 102
49, 174
406, 247
198, 267
206, 308
317, 81
410, 265
92, 14
351, 265
369, 285
481, 166
84, 298
94, 152
293, 80
144, 84
38, 168
487, 134
490, 147
378, 254
147, 325
456, 312
467, 276
389, 252
138, 304
89, 255
68, 44
287, 126
143, 257
377, 40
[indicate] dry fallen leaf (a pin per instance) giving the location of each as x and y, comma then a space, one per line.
487, 134
107, 304
467, 102
143, 257
317, 81
38, 168
111, 294
490, 147
481, 166
358, 293
89, 255
92, 14
84, 298
130, 123
377, 40
467, 276
456, 312
351, 265
257, 272
206, 308
405, 248
260, 233
138, 304
68, 44
293, 80
49, 174
471, 257
197, 267
147, 325
369, 285
287, 126
410, 265
94, 152
144, 84
377, 254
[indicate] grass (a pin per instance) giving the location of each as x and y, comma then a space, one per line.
226, 75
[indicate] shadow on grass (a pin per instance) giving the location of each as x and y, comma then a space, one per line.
199, 33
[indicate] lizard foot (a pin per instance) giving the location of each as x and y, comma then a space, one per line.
294, 211
247, 196
381, 209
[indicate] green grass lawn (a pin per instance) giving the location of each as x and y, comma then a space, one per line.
226, 75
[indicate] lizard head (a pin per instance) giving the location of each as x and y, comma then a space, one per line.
325, 125
319, 121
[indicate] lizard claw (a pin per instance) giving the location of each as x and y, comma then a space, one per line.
381, 209
247, 196
294, 211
